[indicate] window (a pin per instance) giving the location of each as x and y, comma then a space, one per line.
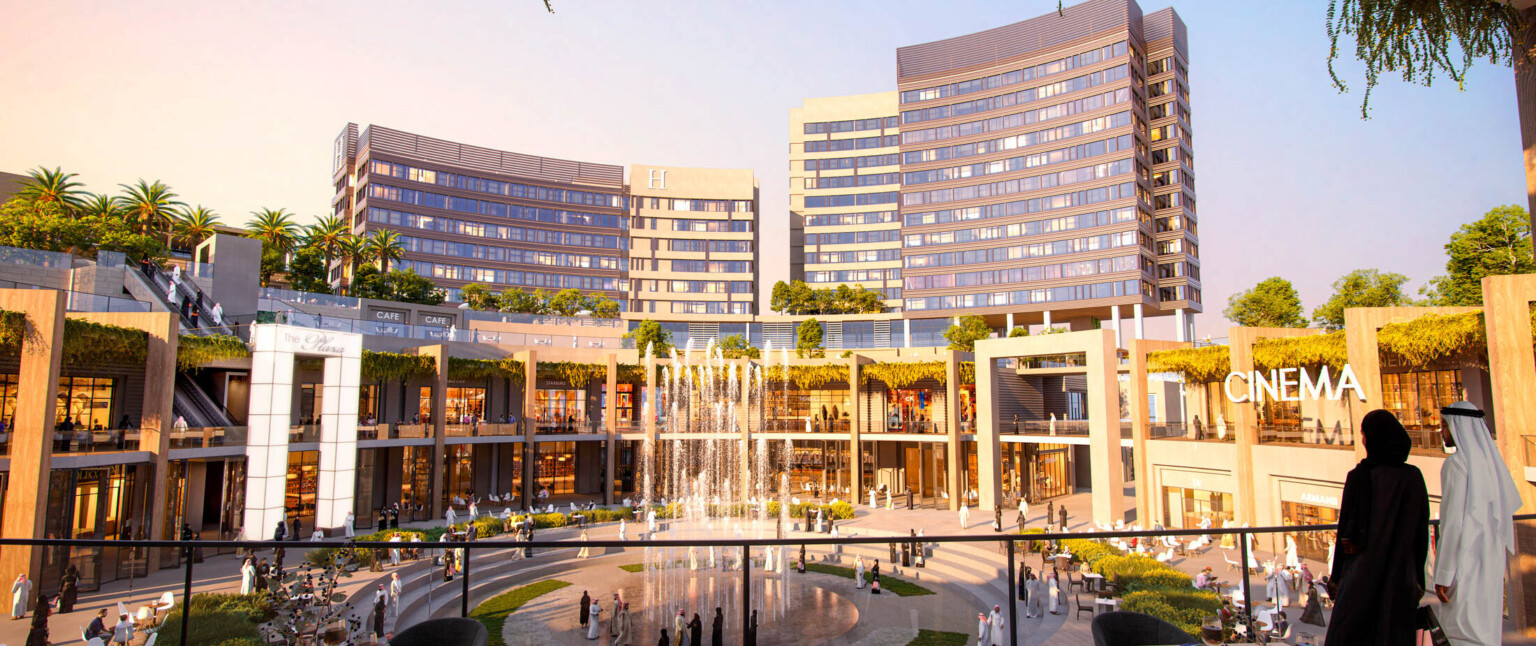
1016, 98
1417, 397
1069, 131
1018, 119
1024, 75
686, 245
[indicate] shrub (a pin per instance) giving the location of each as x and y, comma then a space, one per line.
1086, 551
220, 619
1186, 609
1125, 569
1031, 547
364, 557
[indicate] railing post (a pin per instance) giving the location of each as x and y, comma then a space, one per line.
1247, 598
1013, 595
186, 596
464, 598
746, 592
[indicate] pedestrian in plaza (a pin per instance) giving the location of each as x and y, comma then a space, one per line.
1062, 514
874, 578
38, 635
997, 518
1476, 537
717, 629
1023, 587
1023, 511
965, 515
447, 565
1050, 513
1031, 595
751, 636
21, 590
380, 603
680, 629
262, 572
664, 641
298, 529
998, 623
395, 588
983, 628
584, 608
695, 631
1383, 540
247, 577
69, 588
592, 619
1053, 593
909, 497
626, 627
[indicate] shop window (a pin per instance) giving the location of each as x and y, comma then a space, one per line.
1185, 507
463, 403
1310, 545
85, 401
302, 485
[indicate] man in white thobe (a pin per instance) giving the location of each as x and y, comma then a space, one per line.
965, 515
858, 572
1477, 535
982, 628
995, 623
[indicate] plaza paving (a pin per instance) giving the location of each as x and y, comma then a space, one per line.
824, 609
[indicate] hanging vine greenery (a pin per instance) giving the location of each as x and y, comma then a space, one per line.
902, 375
89, 344
193, 351
12, 326
575, 374
395, 365
630, 373
1313, 351
462, 368
1434, 337
1198, 365
809, 377
967, 372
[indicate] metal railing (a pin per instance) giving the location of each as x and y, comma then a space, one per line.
208, 437
483, 429
430, 332
80, 440
1010, 545
912, 427
548, 427
1339, 436
1069, 427
304, 433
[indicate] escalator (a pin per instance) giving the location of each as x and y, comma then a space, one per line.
195, 406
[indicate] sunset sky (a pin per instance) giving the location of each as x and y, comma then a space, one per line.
235, 105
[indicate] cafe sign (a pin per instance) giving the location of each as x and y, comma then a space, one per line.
1291, 385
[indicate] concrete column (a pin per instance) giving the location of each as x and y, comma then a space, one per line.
1008, 330
1512, 375
855, 448
989, 447
1047, 322
1114, 318
1107, 466
530, 427
439, 426
955, 484
266, 447
26, 501
1141, 425
1179, 316
1140, 323
906, 332
611, 424
338, 436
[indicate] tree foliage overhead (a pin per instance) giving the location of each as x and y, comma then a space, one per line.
650, 334
808, 339
307, 273
736, 346
1421, 38
1497, 244
1360, 288
964, 335
1271, 303
799, 298
50, 226
401, 286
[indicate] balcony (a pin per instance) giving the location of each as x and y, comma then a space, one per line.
546, 427
483, 429
1340, 436
208, 437
84, 441
303, 433
919, 427
1061, 427
1182, 431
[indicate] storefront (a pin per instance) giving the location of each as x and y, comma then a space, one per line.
1310, 503
109, 502
1417, 397
560, 409
817, 411
626, 408
556, 467
1190, 496
910, 410
303, 483
1042, 471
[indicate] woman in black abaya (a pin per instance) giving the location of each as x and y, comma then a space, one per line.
1378, 571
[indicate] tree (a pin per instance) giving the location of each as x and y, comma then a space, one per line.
478, 297
327, 235
1271, 303
150, 207
384, 247
351, 252
1418, 38
964, 335
196, 225
801, 297
808, 339
1497, 244
1018, 331
520, 301
650, 334
1360, 288
602, 307
274, 227
51, 226
399, 286
307, 272
567, 302
779, 300
735, 346
100, 206
272, 261
43, 186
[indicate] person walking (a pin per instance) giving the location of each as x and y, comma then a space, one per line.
1383, 541
997, 622
584, 608
21, 590
626, 627
395, 588
695, 631
69, 588
247, 577
593, 613
983, 628
1477, 500
717, 629
1061, 513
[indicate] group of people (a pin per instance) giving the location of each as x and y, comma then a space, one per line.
685, 631
1041, 593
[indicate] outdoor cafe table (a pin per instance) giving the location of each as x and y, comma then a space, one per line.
1094, 580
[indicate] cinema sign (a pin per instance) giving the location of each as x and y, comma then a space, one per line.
1292, 385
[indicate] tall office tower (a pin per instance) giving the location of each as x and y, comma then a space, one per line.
467, 214
1032, 188
693, 248
843, 181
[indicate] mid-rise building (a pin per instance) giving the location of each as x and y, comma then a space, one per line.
843, 180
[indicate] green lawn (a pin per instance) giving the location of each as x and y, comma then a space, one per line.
633, 567
493, 613
936, 638
888, 583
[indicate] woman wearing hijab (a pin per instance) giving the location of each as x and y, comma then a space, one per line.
1383, 540
695, 631
1477, 536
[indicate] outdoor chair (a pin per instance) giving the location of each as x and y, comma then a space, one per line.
1081, 607
1075, 582
165, 604
451, 631
153, 637
1122, 628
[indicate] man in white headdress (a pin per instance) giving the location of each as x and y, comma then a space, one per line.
1477, 534
965, 515
997, 622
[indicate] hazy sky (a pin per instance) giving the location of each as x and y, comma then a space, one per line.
235, 105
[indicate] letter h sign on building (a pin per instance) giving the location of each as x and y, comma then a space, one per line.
1292, 385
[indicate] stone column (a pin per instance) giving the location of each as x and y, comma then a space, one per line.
439, 409
1141, 424
1180, 316
1507, 302
26, 500
338, 436
266, 448
1114, 318
530, 427
855, 448
989, 444
954, 484
1140, 322
1106, 460
611, 423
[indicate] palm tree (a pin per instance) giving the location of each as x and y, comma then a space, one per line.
196, 225
43, 185
327, 234
384, 247
150, 206
274, 227
351, 251
100, 206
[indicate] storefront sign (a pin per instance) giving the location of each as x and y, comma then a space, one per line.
314, 343
438, 320
1292, 385
389, 316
